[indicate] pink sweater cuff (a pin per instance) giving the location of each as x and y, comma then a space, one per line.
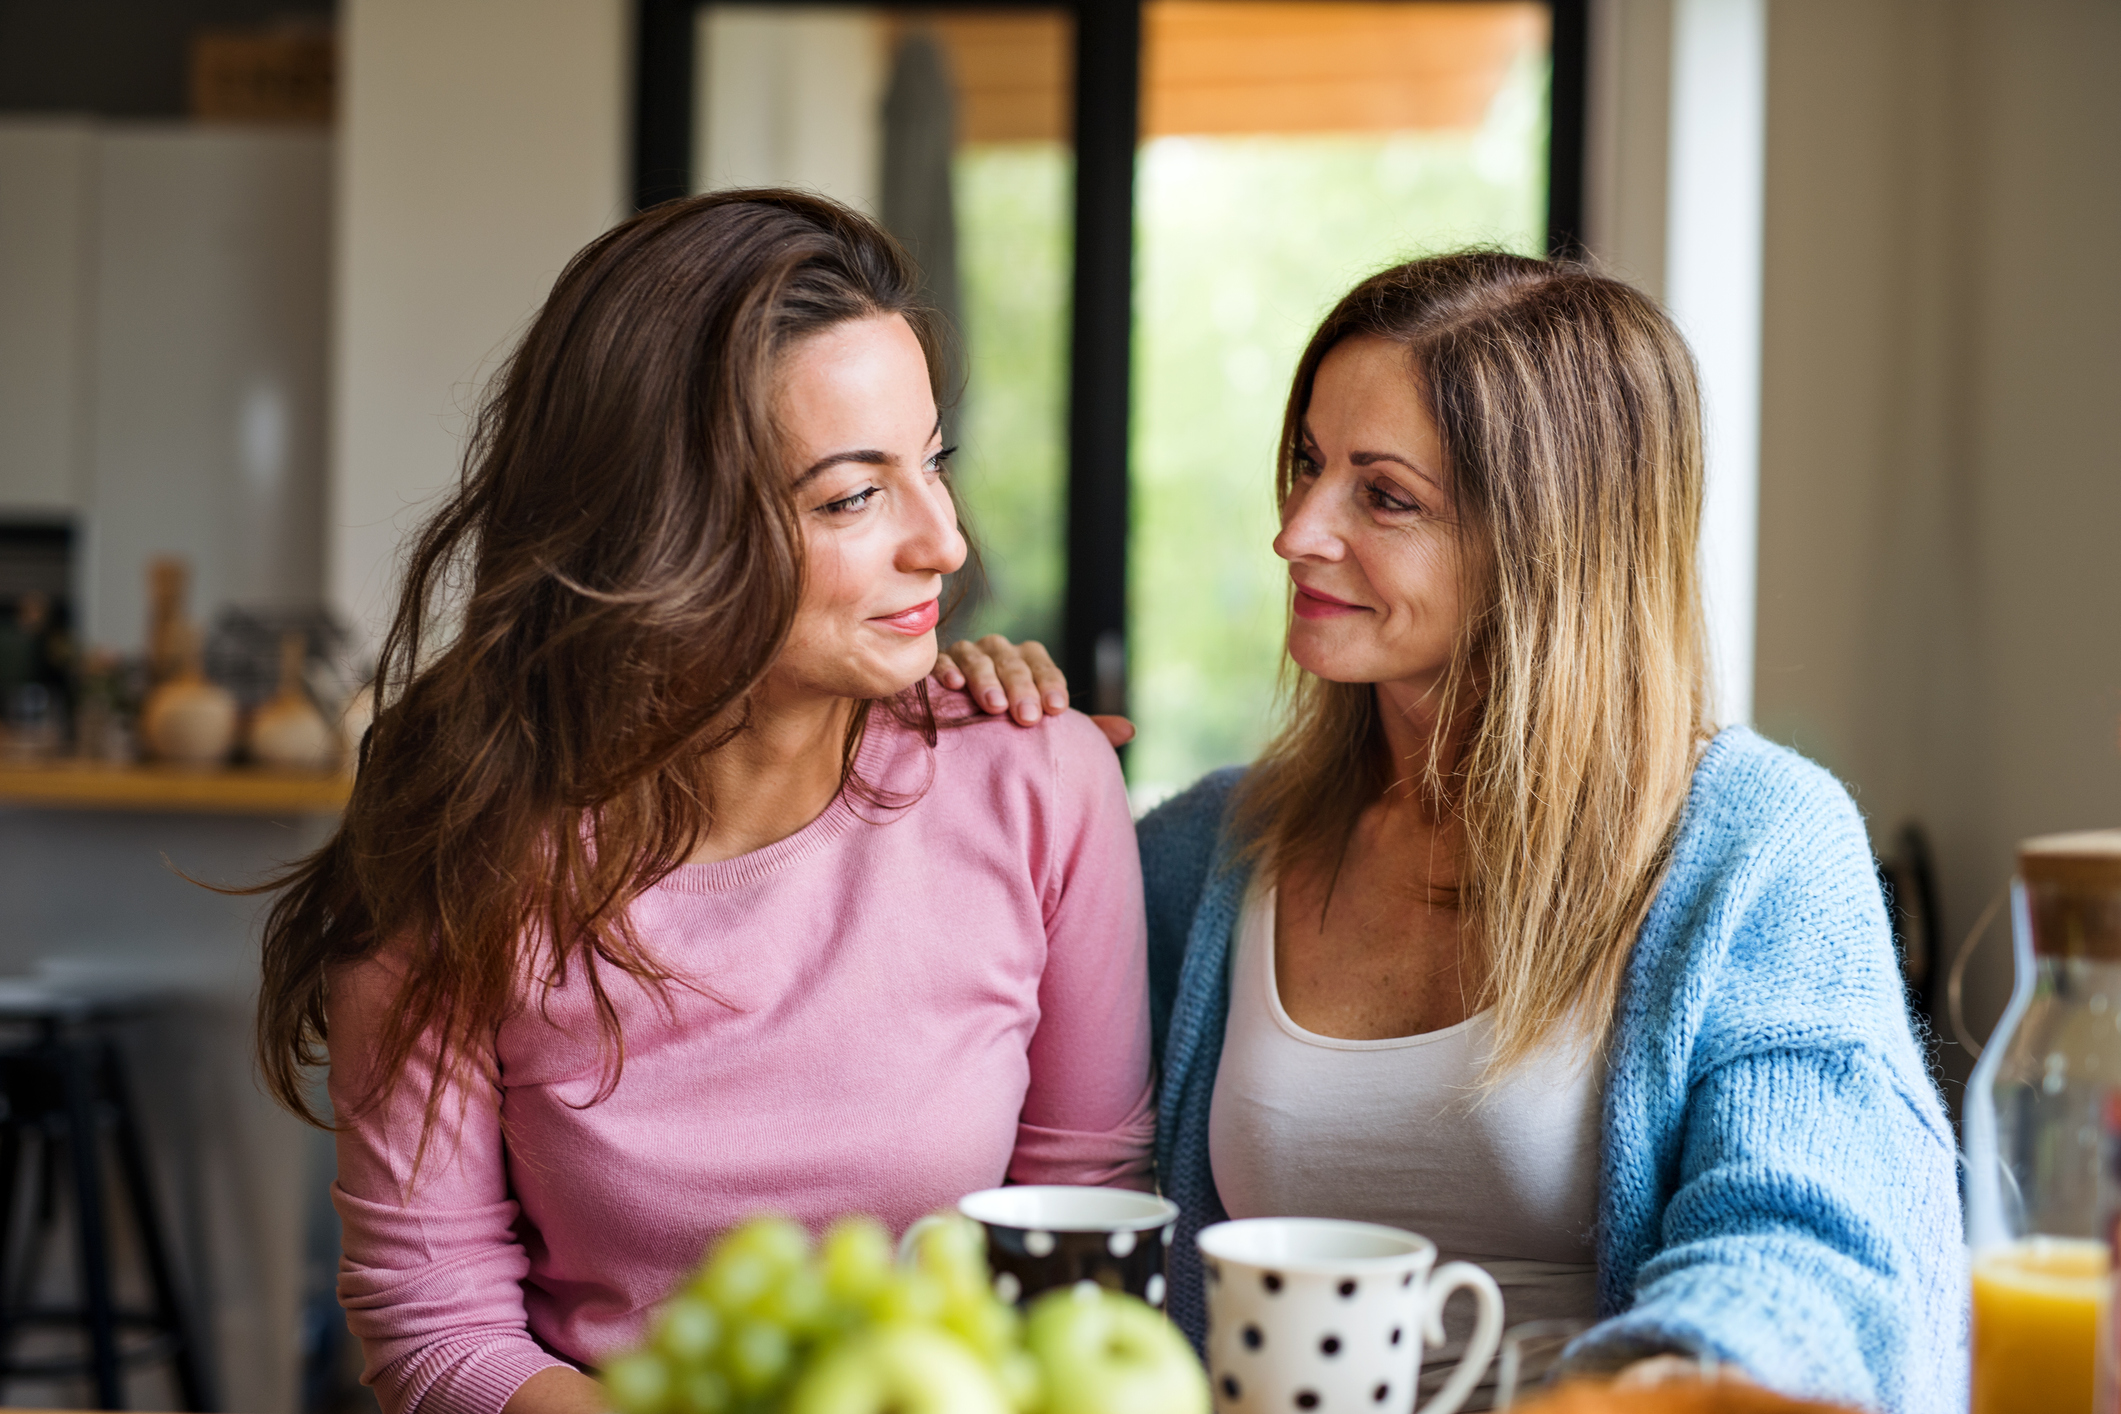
474, 1376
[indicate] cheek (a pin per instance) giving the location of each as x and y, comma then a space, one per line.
1416, 574
831, 582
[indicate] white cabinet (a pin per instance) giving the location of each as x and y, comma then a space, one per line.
163, 304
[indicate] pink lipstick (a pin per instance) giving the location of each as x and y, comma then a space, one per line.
1311, 604
912, 622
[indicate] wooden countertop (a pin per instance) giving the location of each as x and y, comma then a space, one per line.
236, 790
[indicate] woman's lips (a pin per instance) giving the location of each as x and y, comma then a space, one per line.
1310, 604
912, 622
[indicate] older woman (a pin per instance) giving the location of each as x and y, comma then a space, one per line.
1501, 940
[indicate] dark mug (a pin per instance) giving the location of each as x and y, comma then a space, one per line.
1043, 1236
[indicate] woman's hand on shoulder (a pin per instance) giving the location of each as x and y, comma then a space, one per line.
1017, 679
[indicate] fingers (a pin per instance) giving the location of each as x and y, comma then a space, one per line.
1018, 681
976, 675
1047, 679
1118, 730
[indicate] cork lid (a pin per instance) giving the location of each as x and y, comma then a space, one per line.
2084, 859
2073, 887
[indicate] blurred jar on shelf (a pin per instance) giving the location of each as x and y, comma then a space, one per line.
189, 721
287, 731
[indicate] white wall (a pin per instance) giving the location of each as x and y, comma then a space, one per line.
1940, 604
483, 142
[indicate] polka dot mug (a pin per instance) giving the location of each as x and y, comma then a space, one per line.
1042, 1236
1318, 1314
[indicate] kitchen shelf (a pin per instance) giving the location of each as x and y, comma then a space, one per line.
89, 785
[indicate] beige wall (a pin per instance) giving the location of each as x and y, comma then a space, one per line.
1940, 500
482, 143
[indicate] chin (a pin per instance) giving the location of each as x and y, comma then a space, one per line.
890, 673
1321, 660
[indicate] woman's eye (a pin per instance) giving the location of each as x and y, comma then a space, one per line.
1306, 464
847, 505
940, 462
1385, 497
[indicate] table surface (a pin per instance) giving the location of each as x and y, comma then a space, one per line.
238, 790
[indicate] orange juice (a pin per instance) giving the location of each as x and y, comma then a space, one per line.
2036, 1321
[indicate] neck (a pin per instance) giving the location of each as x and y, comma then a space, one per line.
1407, 711
775, 776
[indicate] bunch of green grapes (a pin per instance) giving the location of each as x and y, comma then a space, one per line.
767, 1325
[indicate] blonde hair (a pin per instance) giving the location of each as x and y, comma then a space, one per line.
1570, 420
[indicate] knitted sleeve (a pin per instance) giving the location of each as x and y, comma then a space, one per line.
1799, 1201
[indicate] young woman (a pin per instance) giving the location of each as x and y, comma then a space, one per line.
1500, 940
645, 914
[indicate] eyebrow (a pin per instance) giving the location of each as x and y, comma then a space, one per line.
862, 456
866, 456
1310, 443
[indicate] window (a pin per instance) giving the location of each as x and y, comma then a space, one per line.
1144, 208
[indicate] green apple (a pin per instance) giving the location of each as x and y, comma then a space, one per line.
898, 1369
1102, 1352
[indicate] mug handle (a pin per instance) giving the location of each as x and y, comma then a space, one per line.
1487, 1330
913, 1235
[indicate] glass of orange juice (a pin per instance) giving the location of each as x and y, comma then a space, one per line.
2037, 1306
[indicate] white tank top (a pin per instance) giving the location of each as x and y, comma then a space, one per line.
1397, 1131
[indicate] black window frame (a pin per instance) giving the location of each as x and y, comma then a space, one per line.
1107, 105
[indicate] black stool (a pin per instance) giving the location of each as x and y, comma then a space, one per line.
66, 1098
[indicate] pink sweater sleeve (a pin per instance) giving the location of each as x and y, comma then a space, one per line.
431, 1272
1089, 1116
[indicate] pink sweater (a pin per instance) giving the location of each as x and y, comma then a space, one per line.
892, 1010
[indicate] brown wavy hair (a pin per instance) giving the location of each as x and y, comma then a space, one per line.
580, 624
1577, 692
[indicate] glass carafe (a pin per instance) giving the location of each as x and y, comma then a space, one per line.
2036, 1207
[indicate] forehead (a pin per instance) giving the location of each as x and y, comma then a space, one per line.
1370, 386
866, 378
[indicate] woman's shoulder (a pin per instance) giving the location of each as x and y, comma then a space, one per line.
1181, 840
1193, 818
1057, 750
1052, 780
1772, 887
1753, 797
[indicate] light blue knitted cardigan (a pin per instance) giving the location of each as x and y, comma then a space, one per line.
1777, 1184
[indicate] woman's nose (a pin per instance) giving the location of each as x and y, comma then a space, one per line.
933, 543
1308, 528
